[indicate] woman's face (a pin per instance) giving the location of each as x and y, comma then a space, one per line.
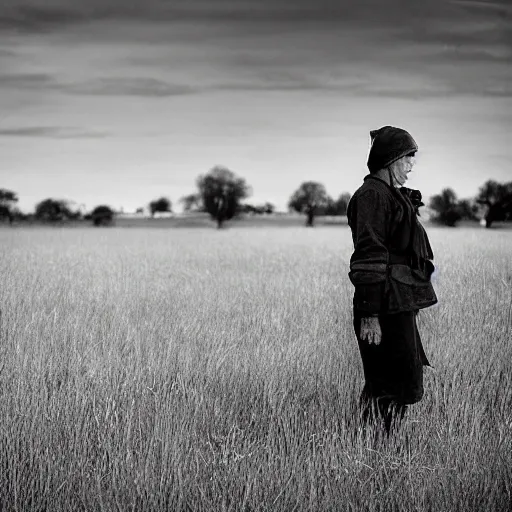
401, 168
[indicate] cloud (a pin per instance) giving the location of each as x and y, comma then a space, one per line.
52, 132
397, 85
5, 53
235, 49
362, 89
27, 80
105, 86
41, 14
148, 87
488, 5
29, 17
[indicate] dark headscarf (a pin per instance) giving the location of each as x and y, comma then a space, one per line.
389, 144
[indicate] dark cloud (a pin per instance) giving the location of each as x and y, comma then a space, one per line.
479, 38
36, 14
27, 80
148, 87
500, 6
264, 80
33, 18
280, 45
108, 86
363, 90
7, 53
51, 132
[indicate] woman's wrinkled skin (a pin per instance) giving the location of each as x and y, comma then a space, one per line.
401, 168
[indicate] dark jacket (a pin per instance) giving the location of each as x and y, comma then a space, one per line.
392, 260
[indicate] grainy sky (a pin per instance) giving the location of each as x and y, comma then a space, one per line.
110, 101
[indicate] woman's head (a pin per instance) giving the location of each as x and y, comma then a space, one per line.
401, 168
394, 149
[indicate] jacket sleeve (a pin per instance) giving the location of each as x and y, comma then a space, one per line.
369, 220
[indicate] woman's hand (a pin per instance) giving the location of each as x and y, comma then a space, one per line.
370, 330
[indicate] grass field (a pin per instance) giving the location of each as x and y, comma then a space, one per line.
218, 370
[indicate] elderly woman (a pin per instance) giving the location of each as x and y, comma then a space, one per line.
390, 269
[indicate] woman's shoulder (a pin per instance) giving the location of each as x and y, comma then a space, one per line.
373, 195
374, 189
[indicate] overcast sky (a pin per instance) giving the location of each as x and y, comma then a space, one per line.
101, 103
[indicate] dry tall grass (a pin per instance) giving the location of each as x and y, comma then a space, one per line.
207, 370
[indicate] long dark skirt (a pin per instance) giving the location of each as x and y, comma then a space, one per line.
393, 369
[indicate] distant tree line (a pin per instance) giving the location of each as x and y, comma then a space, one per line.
492, 203
222, 194
163, 204
312, 199
8, 199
